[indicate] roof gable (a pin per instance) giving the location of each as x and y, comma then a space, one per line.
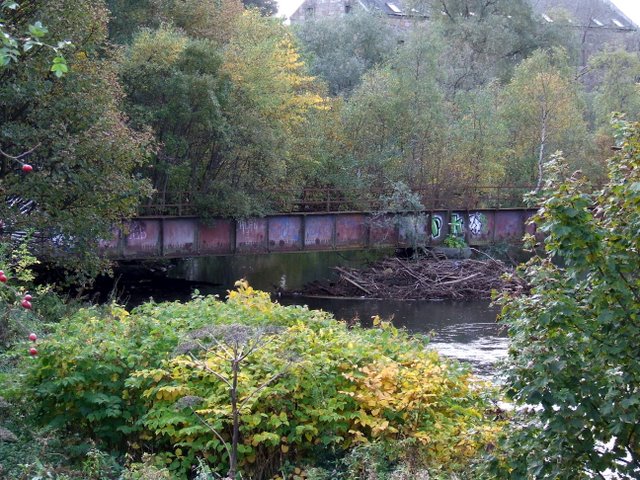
586, 13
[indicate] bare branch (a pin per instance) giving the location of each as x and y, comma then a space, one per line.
215, 432
209, 370
21, 156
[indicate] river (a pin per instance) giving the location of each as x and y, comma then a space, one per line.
466, 331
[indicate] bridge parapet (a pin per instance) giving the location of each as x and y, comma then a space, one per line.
335, 200
175, 237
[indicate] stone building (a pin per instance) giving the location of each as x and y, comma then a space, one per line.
597, 22
394, 10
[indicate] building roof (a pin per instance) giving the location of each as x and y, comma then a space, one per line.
392, 8
585, 13
389, 8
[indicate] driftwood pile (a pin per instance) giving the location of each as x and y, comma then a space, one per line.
421, 279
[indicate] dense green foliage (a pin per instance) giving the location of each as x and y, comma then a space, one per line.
223, 103
15, 44
83, 151
341, 50
312, 391
480, 95
228, 112
206, 101
574, 338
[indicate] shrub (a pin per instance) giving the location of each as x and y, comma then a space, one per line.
308, 388
574, 350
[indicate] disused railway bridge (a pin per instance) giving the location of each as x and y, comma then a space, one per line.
188, 236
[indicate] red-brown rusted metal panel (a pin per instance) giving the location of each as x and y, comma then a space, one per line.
351, 230
318, 232
383, 231
216, 237
251, 235
285, 233
509, 225
480, 227
179, 236
143, 238
154, 237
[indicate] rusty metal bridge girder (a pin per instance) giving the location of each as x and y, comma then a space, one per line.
175, 237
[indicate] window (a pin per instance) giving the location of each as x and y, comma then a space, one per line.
597, 22
394, 8
347, 8
310, 12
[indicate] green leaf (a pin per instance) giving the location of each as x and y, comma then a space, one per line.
59, 66
38, 30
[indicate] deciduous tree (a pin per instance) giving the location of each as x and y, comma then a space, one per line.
340, 50
82, 183
573, 355
544, 109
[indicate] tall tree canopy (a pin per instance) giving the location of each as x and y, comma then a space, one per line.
85, 153
227, 114
340, 50
544, 110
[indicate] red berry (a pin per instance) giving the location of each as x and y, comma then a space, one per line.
26, 168
26, 304
33, 337
33, 352
27, 297
3, 278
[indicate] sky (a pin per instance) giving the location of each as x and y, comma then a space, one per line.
631, 8
287, 7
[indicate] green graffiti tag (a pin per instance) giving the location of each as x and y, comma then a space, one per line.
457, 224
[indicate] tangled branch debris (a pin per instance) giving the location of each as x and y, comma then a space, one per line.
421, 279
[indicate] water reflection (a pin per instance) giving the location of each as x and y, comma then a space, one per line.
466, 331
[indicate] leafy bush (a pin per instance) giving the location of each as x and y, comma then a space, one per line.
308, 388
574, 351
454, 241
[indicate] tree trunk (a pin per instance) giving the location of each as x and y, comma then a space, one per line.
543, 140
233, 460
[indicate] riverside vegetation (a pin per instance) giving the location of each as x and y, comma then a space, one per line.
205, 101
315, 399
107, 103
